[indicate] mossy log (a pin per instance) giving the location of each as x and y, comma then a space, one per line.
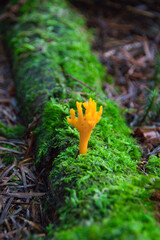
99, 195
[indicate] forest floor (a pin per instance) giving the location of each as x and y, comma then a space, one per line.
128, 42
21, 189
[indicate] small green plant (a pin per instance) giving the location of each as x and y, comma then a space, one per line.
151, 105
11, 132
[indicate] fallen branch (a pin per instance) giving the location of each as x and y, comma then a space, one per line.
77, 80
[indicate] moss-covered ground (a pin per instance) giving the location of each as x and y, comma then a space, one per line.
100, 195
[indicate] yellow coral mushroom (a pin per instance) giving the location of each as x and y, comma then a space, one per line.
85, 124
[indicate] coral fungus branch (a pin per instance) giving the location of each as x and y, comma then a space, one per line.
85, 124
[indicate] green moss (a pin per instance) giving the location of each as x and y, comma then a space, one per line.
153, 166
43, 42
122, 226
100, 195
102, 190
11, 132
8, 156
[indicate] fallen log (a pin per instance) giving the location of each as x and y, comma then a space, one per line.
98, 195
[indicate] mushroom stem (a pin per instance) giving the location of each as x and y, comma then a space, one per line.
83, 143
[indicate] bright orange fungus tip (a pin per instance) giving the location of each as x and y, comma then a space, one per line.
85, 124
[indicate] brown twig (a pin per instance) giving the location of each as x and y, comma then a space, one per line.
32, 224
6, 209
7, 170
5, 235
10, 150
5, 100
23, 178
30, 145
23, 195
77, 80
134, 10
